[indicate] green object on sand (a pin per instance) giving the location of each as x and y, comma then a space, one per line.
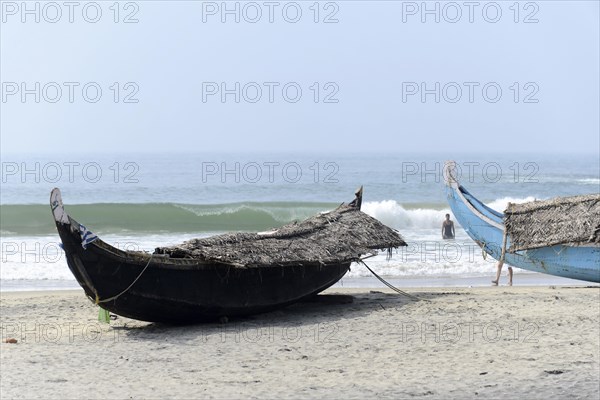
103, 315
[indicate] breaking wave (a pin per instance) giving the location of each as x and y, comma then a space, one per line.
108, 218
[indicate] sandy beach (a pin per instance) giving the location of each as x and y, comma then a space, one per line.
496, 342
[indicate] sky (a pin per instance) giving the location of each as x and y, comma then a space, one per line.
339, 76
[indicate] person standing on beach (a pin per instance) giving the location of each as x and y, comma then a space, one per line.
448, 228
499, 270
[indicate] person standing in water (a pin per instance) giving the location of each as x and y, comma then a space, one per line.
448, 228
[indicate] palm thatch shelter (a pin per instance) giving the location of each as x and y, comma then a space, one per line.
563, 220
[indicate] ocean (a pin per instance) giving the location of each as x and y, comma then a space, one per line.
142, 201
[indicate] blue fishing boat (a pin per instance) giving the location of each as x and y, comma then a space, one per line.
527, 247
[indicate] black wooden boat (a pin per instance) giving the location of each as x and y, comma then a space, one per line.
177, 287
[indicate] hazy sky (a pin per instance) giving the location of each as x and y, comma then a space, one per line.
300, 76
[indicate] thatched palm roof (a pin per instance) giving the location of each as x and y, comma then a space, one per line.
562, 220
338, 236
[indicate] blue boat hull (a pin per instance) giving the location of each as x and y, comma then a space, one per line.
486, 227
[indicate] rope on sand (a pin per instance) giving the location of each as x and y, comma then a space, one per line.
395, 289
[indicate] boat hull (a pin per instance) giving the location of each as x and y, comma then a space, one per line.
485, 226
160, 289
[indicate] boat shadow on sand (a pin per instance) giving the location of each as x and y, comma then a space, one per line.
319, 316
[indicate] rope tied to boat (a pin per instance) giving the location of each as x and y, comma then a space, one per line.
386, 283
98, 301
